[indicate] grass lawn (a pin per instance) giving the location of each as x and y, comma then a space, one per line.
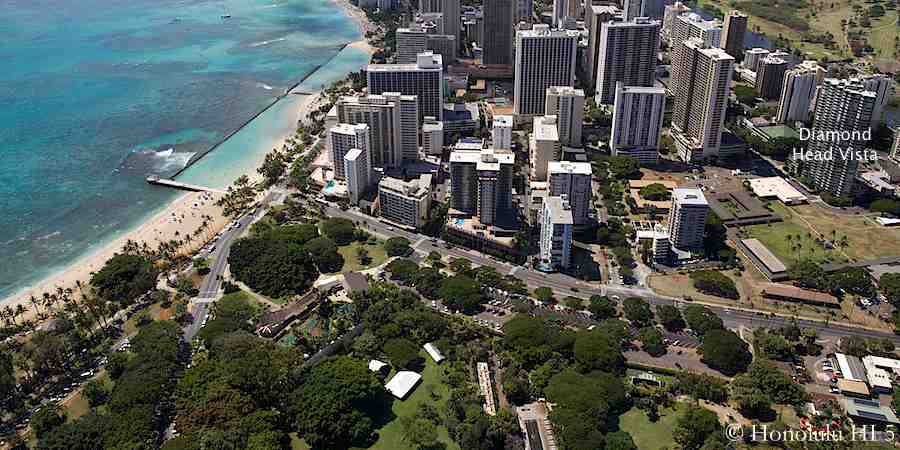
376, 251
156, 311
78, 405
259, 308
793, 240
651, 435
390, 437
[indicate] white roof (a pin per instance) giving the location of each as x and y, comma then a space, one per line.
402, 383
578, 168
689, 196
847, 369
376, 365
433, 352
776, 187
545, 128
559, 211
877, 376
353, 154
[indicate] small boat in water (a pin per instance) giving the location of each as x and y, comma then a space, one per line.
225, 13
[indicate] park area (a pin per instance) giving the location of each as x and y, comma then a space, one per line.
374, 255
432, 391
855, 237
809, 24
649, 435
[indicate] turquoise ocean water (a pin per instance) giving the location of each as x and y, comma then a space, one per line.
97, 94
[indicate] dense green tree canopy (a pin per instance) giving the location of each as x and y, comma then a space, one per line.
403, 354
341, 230
669, 316
270, 267
124, 278
595, 350
329, 403
638, 311
602, 307
652, 341
714, 283
397, 246
461, 293
701, 319
694, 426
324, 253
725, 351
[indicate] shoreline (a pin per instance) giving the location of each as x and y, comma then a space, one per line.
183, 215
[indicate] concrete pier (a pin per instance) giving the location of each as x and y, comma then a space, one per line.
153, 179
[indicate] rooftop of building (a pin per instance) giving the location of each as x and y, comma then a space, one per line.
346, 128
543, 30
503, 120
796, 293
469, 144
424, 61
761, 252
642, 89
353, 154
559, 209
689, 196
413, 188
545, 128
578, 168
565, 90
699, 21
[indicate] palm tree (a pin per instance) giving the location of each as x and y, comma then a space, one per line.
34, 302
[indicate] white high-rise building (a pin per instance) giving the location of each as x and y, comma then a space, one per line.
701, 97
432, 136
501, 132
422, 79
798, 91
405, 203
393, 125
843, 106
572, 180
358, 169
596, 16
687, 219
556, 233
345, 137
628, 52
567, 104
670, 13
410, 42
544, 58
752, 57
481, 184
686, 27
543, 146
637, 122
692, 25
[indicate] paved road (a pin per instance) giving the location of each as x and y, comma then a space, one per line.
209, 287
567, 285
